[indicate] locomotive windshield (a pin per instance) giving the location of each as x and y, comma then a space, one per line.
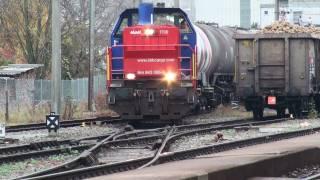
176, 19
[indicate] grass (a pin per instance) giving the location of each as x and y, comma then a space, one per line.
8, 168
69, 110
30, 165
227, 111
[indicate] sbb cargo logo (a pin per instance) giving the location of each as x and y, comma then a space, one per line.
151, 60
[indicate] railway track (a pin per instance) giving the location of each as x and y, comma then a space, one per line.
314, 177
65, 124
90, 158
52, 147
173, 156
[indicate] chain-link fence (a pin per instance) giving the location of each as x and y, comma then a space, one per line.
29, 98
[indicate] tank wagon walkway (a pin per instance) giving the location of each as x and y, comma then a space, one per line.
235, 164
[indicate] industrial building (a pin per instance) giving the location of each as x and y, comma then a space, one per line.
247, 13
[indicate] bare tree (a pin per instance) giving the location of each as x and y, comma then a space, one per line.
25, 26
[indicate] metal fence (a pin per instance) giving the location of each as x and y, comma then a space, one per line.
75, 90
26, 97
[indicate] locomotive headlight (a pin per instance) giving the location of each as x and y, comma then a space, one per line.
149, 32
170, 76
131, 76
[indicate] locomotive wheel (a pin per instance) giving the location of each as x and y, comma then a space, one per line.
281, 112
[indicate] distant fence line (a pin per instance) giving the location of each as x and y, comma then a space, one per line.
28, 91
75, 90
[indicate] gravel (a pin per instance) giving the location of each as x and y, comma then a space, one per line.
17, 169
304, 172
223, 113
196, 141
113, 155
27, 137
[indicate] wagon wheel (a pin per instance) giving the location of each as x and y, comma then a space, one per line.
281, 112
258, 114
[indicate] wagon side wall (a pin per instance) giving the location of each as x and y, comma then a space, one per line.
281, 65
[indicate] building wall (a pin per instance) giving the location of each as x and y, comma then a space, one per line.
245, 13
187, 5
307, 8
294, 9
226, 12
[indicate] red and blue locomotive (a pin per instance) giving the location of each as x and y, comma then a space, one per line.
152, 68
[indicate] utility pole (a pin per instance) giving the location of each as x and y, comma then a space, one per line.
277, 10
56, 58
91, 51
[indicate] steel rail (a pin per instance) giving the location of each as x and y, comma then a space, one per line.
157, 155
105, 169
313, 177
88, 157
172, 138
47, 148
64, 124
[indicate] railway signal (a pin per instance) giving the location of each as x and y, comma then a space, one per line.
53, 122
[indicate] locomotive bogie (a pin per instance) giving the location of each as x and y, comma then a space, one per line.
152, 100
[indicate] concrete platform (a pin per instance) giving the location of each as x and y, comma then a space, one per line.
256, 161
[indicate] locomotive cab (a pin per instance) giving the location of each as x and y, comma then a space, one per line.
151, 64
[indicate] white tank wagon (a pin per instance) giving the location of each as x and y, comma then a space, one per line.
215, 51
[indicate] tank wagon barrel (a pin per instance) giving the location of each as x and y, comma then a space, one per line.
215, 63
215, 51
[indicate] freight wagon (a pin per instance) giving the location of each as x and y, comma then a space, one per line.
277, 70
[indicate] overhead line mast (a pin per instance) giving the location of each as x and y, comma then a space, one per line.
56, 57
91, 51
